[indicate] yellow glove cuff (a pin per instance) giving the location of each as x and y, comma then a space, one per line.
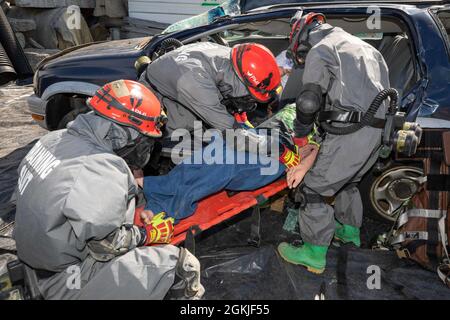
291, 159
161, 229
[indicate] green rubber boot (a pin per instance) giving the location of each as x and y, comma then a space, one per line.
346, 234
308, 255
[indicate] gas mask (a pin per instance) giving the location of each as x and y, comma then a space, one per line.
137, 153
300, 57
240, 104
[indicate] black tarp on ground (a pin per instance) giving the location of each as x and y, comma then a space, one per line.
8, 182
234, 270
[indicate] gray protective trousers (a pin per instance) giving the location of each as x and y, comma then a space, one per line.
145, 273
350, 73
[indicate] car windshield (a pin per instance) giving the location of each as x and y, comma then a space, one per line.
228, 8
444, 18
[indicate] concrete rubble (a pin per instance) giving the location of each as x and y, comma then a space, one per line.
54, 30
22, 25
43, 27
111, 8
35, 56
136, 28
54, 3
21, 38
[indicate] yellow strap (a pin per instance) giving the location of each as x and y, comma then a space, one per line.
311, 137
162, 228
248, 124
291, 159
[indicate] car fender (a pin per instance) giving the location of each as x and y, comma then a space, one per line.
75, 87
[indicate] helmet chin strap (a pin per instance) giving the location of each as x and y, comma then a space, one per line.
240, 104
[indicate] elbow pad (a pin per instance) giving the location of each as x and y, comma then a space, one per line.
308, 104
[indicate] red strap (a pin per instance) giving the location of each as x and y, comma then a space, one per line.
137, 216
240, 117
301, 142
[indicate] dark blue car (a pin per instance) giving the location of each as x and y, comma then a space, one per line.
411, 35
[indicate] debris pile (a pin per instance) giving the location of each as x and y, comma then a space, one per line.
44, 27
37, 29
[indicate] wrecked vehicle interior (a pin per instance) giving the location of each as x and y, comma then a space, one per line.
391, 39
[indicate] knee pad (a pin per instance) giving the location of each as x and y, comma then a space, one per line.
303, 196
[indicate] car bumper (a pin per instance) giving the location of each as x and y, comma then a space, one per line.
38, 107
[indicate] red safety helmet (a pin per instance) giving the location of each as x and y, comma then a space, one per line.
257, 68
130, 103
298, 38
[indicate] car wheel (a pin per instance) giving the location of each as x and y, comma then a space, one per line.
385, 193
67, 118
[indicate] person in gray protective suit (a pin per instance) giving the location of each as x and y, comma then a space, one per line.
342, 75
212, 83
76, 200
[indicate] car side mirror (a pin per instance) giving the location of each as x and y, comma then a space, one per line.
141, 64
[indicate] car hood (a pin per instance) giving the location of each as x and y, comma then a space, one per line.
117, 46
94, 63
97, 50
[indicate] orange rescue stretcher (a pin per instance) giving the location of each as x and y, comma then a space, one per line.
221, 206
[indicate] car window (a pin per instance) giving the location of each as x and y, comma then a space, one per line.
228, 8
234, 35
278, 28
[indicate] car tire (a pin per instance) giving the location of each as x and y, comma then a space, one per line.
382, 193
70, 116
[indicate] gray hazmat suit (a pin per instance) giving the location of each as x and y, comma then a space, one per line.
351, 73
191, 82
75, 210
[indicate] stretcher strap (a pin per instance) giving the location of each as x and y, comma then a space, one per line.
410, 235
255, 228
420, 213
340, 116
189, 241
260, 199
443, 270
434, 196
313, 198
433, 240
